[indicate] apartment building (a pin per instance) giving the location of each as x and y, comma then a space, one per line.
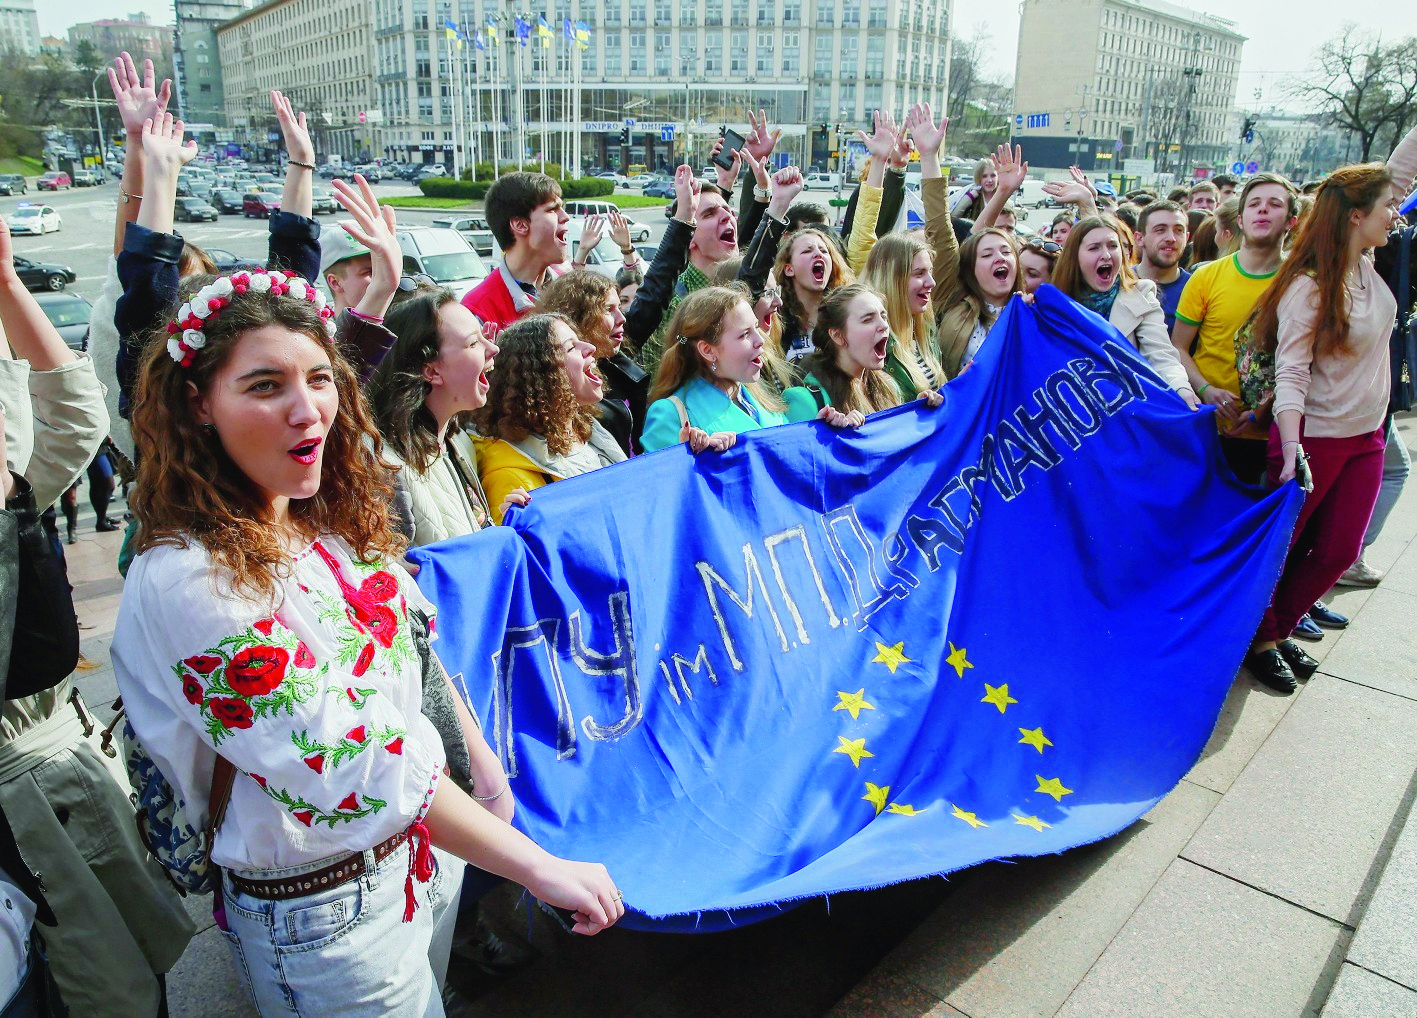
315, 51
1102, 81
197, 60
136, 35
19, 26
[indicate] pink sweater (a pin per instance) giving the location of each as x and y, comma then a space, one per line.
1345, 395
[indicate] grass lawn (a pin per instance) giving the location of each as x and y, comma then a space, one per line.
22, 164
635, 201
418, 201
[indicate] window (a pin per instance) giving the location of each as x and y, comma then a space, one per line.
848, 99
850, 48
663, 12
765, 12
791, 12
826, 14
689, 12
822, 64
612, 12
713, 12
638, 14
877, 15
740, 12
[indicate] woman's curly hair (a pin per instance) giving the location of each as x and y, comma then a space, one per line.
530, 393
189, 489
579, 297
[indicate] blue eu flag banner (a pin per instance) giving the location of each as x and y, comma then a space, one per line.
828, 660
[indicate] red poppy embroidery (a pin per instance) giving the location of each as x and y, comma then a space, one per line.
383, 625
396, 746
192, 690
265, 626
350, 802
303, 657
380, 587
366, 658
259, 780
255, 671
231, 712
304, 816
316, 763
356, 734
203, 664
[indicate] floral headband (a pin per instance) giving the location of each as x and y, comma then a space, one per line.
185, 335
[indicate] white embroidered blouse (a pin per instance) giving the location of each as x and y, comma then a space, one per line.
316, 703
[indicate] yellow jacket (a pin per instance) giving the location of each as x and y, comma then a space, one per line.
956, 309
863, 226
502, 467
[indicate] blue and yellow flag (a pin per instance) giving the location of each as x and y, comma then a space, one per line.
582, 35
831, 660
544, 31
492, 35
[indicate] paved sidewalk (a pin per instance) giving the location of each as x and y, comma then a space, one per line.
1239, 894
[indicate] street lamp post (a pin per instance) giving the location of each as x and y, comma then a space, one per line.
97, 119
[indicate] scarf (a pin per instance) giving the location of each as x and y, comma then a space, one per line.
1101, 302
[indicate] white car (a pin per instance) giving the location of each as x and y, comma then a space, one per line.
606, 259
36, 219
640, 180
620, 179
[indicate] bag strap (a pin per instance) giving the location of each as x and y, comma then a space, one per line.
683, 411
818, 395
223, 777
1404, 275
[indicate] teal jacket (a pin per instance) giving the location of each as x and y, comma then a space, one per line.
709, 409
805, 401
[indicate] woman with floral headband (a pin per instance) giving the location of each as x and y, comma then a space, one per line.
267, 638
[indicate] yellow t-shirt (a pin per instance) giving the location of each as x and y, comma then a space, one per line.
1218, 298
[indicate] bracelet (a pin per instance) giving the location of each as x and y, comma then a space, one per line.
490, 798
1286, 444
1201, 390
371, 319
762, 193
128, 197
297, 162
577, 265
627, 251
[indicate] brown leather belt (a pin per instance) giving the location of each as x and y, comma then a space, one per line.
301, 884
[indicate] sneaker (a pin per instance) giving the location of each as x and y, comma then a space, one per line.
1308, 629
1270, 669
1360, 574
1326, 617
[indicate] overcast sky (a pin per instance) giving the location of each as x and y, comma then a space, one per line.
1282, 33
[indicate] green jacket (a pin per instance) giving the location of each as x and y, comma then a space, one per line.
806, 401
709, 409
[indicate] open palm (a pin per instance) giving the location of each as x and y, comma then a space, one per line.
137, 97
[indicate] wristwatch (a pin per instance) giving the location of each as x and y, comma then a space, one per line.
762, 193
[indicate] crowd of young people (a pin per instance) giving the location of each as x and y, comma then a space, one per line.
289, 449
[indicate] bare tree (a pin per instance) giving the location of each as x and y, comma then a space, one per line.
1359, 84
976, 99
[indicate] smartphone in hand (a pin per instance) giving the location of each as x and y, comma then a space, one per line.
732, 142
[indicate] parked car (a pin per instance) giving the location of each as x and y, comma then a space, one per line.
370, 172
69, 313
474, 228
323, 200
53, 181
43, 275
433, 170
13, 183
640, 180
620, 179
660, 189
591, 208
443, 254
87, 178
36, 219
638, 232
647, 251
605, 260
259, 204
226, 262
822, 182
227, 201
194, 210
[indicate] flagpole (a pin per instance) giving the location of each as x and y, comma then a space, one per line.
455, 58
521, 96
496, 111
576, 105
545, 143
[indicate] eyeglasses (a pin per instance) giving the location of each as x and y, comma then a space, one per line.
772, 292
414, 280
1040, 246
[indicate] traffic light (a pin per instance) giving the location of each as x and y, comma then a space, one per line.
624, 136
1247, 133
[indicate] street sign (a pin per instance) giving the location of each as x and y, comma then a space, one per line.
629, 121
1249, 137
1018, 119
1252, 167
1137, 167
1237, 167
666, 134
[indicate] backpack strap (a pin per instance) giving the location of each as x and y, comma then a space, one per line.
683, 411
819, 396
223, 777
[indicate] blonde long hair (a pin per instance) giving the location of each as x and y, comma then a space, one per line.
887, 271
700, 317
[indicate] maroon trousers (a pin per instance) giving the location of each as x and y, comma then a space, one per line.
1329, 534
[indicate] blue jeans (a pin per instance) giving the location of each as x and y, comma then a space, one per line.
345, 950
1397, 463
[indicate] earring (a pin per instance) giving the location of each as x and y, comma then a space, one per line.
210, 428
714, 366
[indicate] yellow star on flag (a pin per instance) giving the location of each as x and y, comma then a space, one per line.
998, 696
957, 660
876, 795
970, 818
904, 809
892, 657
1033, 822
854, 748
1053, 787
1034, 737
854, 702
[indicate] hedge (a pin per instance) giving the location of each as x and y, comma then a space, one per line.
444, 187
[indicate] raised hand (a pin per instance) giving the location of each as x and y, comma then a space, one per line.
900, 155
298, 145
1010, 167
728, 177
373, 227
137, 98
787, 184
759, 142
1080, 177
619, 228
1070, 192
592, 229
884, 137
928, 134
686, 193
162, 142
757, 167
